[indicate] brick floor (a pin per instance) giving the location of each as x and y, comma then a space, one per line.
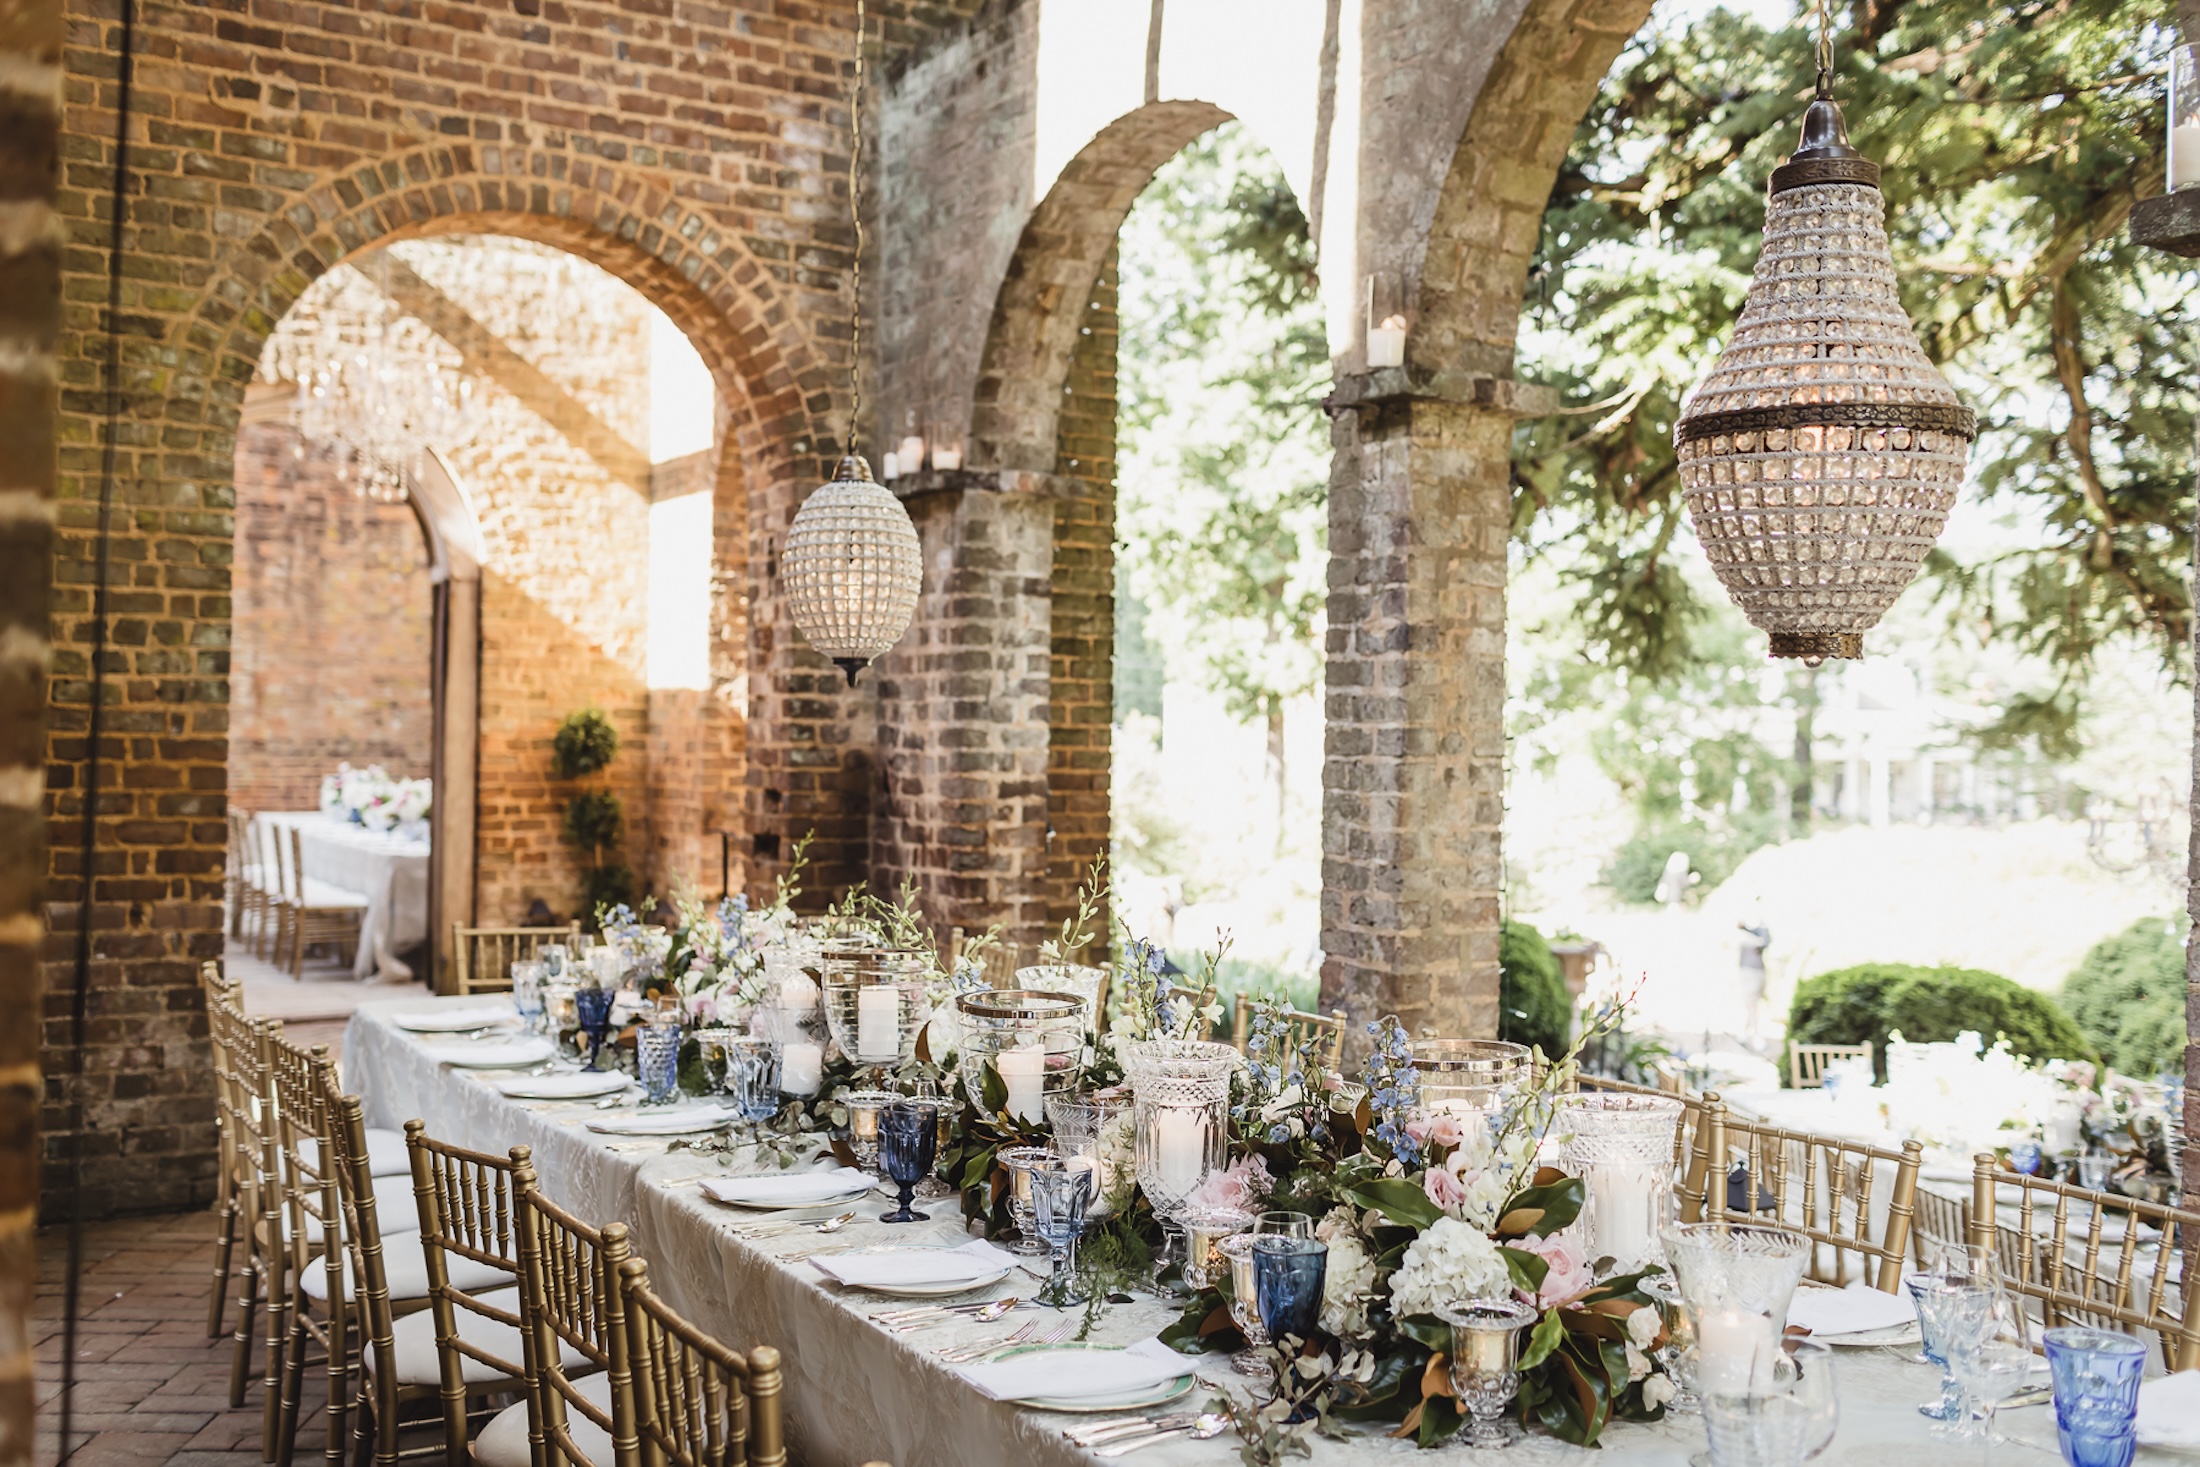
150, 1387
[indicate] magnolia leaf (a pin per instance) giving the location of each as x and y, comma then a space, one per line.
1398, 1200
1528, 1270
1549, 1330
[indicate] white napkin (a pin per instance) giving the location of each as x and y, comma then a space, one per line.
789, 1189
974, 1260
454, 1018
1849, 1311
678, 1121
494, 1054
567, 1085
2169, 1411
1053, 1374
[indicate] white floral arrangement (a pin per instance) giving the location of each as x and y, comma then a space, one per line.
371, 798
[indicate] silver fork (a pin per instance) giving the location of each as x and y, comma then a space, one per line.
964, 1353
1054, 1336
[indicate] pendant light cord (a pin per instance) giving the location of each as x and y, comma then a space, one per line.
1825, 51
855, 217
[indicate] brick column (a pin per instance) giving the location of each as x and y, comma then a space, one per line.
1413, 777
30, 317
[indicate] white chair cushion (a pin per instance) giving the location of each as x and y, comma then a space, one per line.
417, 1362
395, 1210
386, 1157
503, 1442
405, 1266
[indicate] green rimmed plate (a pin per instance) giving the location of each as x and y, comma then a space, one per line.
1096, 1405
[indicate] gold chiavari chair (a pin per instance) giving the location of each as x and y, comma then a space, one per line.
469, 1344
1303, 1028
1824, 1187
482, 957
569, 1283
1940, 1220
228, 1203
245, 1100
1807, 1063
312, 911
244, 881
2116, 1269
698, 1403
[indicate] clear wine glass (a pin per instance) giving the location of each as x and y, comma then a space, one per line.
1060, 1193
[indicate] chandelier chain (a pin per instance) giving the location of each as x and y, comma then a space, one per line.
1825, 51
855, 217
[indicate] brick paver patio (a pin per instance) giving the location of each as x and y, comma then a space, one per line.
150, 1386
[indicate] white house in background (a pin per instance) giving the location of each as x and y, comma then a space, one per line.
1884, 751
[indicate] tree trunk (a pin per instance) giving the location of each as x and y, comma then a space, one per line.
1275, 761
2191, 1164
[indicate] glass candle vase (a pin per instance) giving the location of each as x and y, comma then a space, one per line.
2184, 117
1737, 1279
1622, 1149
877, 1000
800, 1036
1073, 979
1180, 1117
1029, 1041
1485, 1362
1095, 1129
1469, 1078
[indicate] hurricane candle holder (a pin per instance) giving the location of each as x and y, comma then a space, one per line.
801, 1046
1737, 1279
863, 1112
1180, 1092
877, 1000
1485, 1363
2184, 117
561, 1018
1469, 1077
1622, 1149
1027, 1040
1074, 979
1093, 1129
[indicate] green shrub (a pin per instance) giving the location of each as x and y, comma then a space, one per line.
1633, 872
593, 820
585, 743
2128, 997
1533, 1006
1866, 1003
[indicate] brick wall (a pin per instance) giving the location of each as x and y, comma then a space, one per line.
330, 628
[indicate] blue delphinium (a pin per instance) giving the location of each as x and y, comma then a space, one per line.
1393, 1089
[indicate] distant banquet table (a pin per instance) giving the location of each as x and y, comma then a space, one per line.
856, 1393
390, 871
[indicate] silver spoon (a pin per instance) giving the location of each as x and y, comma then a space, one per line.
1209, 1424
1134, 1426
985, 1315
821, 1225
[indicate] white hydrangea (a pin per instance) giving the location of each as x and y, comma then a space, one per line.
1450, 1262
1351, 1275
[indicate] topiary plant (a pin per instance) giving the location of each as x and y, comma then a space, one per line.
585, 743
1866, 1003
2128, 996
593, 820
1533, 1006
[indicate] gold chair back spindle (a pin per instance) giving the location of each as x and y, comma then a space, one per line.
1824, 1187
698, 1402
1302, 1027
482, 957
318, 1225
1807, 1063
569, 1280
245, 1100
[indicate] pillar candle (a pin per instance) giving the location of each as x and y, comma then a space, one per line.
1023, 1071
801, 1067
1386, 343
1734, 1352
912, 454
2184, 155
947, 458
1621, 1202
878, 1023
1180, 1149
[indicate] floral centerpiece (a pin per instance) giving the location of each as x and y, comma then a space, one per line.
370, 797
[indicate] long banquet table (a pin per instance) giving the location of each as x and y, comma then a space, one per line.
390, 871
858, 1394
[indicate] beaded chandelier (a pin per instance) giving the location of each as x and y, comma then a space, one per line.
852, 564
1823, 452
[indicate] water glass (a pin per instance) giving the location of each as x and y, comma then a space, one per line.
1237, 1252
1785, 1421
593, 1006
2097, 1378
552, 957
1485, 1363
527, 980
1678, 1353
657, 1061
908, 1142
2094, 1168
2025, 1157
1283, 1225
1020, 1160
1060, 1193
1947, 1310
1288, 1274
752, 1075
710, 1053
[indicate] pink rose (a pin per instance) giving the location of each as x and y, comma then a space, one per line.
1242, 1186
1444, 1189
1446, 1131
1566, 1277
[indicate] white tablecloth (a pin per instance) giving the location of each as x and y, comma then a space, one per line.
856, 1393
390, 872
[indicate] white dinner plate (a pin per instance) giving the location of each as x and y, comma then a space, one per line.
454, 1020
1094, 1405
686, 1120
516, 1053
936, 1290
1866, 1339
837, 1194
564, 1085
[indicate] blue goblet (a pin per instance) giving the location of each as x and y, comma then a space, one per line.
908, 1140
2096, 1394
594, 1007
657, 1061
1060, 1195
1288, 1274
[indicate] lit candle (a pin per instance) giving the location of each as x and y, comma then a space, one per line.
1621, 1205
1023, 1071
878, 1023
889, 467
912, 454
2184, 155
1734, 1352
801, 1067
1386, 343
947, 458
1180, 1147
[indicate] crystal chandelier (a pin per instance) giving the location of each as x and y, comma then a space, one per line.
1823, 452
853, 564
376, 388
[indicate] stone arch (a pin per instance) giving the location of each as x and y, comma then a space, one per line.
1040, 309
